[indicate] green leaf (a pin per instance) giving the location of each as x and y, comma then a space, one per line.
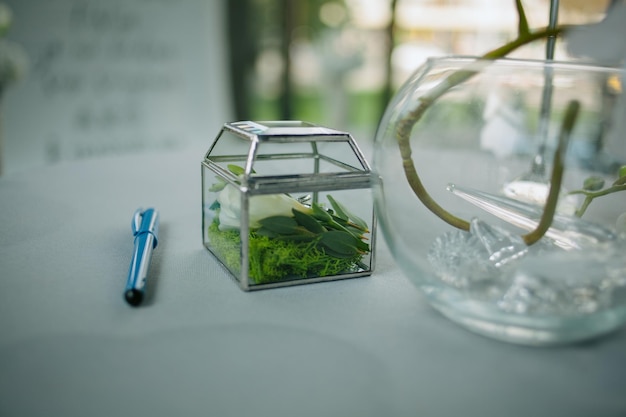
345, 214
298, 238
347, 227
330, 252
215, 205
236, 169
593, 183
360, 223
266, 232
307, 221
282, 225
356, 231
339, 209
320, 214
218, 186
362, 246
341, 244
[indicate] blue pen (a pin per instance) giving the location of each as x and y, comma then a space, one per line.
145, 227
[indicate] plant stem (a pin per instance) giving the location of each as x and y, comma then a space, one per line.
571, 114
591, 195
406, 124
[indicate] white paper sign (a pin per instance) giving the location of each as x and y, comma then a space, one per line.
115, 76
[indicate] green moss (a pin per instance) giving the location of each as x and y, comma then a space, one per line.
226, 246
275, 259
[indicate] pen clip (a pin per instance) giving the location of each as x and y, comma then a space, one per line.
136, 223
146, 221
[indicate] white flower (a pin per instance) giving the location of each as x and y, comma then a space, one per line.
260, 207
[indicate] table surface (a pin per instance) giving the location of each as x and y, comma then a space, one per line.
199, 346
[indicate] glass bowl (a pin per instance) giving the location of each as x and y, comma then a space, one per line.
485, 169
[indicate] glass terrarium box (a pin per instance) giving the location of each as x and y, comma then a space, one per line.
287, 202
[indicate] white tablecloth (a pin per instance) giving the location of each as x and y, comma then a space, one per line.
71, 346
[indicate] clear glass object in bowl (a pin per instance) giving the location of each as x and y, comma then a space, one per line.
487, 141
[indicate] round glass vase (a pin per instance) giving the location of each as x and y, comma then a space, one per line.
485, 171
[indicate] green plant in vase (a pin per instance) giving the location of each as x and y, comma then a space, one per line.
518, 256
405, 127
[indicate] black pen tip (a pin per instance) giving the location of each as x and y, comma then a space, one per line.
133, 297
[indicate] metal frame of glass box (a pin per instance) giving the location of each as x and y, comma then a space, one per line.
346, 177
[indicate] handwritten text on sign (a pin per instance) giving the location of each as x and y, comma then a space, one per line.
115, 76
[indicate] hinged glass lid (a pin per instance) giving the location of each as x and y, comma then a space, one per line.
302, 148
